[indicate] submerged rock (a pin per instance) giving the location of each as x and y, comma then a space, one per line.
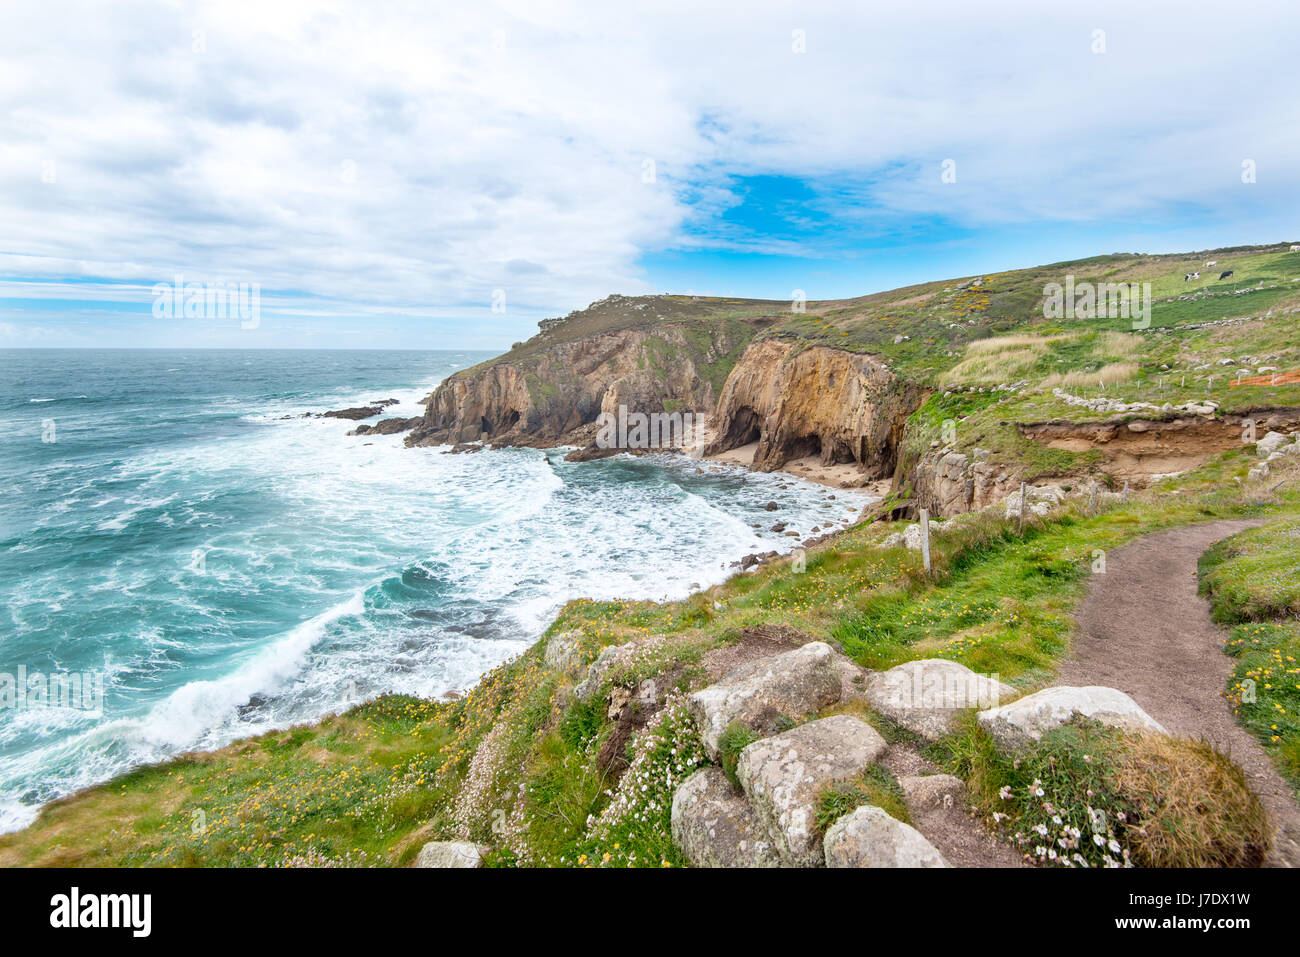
354, 413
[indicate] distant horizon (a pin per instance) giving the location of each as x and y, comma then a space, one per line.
504, 346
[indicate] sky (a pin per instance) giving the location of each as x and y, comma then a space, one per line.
444, 175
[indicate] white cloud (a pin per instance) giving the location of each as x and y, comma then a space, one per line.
387, 156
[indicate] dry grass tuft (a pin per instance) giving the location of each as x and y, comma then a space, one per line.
999, 360
1115, 373
1118, 345
1195, 807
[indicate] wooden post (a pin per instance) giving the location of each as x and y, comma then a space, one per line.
1092, 498
925, 539
1126, 491
1022, 508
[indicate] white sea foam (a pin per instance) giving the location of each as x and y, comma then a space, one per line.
478, 552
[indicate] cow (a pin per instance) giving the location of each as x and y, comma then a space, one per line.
1211, 262
1190, 276
1225, 274
1295, 249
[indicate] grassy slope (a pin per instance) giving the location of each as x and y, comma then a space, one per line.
940, 319
370, 786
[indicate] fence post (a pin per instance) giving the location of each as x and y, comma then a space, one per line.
1126, 491
1022, 508
925, 539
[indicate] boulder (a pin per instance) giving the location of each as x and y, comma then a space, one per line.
924, 792
759, 693
609, 656
1039, 500
1269, 444
853, 679
871, 838
912, 534
784, 776
451, 854
716, 827
925, 696
1017, 725
392, 426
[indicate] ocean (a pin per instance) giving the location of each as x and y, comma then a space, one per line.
174, 528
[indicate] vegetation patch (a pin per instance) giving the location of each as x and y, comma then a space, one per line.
875, 786
1091, 796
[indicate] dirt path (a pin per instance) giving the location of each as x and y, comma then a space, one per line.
960, 837
1145, 630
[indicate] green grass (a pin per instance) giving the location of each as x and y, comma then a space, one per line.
734, 739
370, 786
1253, 581
875, 786
1255, 575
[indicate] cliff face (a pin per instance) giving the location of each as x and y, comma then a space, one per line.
554, 387
795, 402
948, 482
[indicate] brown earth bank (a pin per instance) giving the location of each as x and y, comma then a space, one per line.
1137, 450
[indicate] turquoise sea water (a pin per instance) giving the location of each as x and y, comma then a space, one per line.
226, 570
